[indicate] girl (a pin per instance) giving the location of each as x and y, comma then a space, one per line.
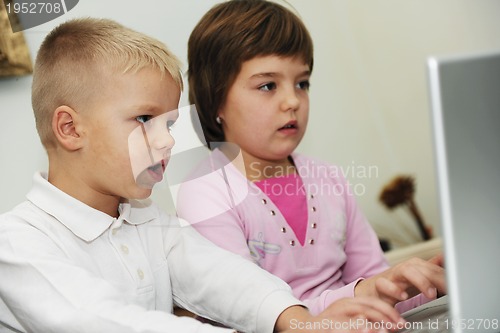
249, 67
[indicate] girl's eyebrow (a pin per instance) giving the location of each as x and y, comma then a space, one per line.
306, 72
267, 74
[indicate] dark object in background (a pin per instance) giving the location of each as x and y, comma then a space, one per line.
384, 244
400, 192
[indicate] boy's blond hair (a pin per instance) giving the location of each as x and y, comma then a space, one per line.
69, 65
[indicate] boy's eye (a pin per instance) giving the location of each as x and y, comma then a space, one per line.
268, 86
304, 85
170, 124
143, 119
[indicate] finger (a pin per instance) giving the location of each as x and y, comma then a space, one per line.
375, 309
423, 276
436, 277
390, 291
437, 260
380, 321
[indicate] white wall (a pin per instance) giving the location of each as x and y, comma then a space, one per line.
369, 94
369, 101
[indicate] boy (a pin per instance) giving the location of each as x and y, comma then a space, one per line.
80, 255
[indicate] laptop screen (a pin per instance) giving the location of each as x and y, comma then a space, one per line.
465, 104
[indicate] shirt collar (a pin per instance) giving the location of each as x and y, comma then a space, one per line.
84, 221
138, 211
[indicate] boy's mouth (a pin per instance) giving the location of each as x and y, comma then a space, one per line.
156, 171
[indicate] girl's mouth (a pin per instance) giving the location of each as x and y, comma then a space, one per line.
289, 128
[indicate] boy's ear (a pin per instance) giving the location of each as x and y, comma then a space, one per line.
64, 126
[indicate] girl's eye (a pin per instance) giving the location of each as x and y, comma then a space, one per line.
268, 86
143, 119
304, 85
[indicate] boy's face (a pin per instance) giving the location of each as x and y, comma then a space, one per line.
267, 107
127, 131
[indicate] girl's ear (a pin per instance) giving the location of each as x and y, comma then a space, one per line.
64, 126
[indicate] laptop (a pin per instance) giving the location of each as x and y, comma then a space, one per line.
465, 106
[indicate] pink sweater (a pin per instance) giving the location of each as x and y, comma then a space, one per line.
340, 246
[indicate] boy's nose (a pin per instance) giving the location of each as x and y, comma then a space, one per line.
159, 135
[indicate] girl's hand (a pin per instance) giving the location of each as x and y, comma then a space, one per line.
349, 315
406, 280
356, 314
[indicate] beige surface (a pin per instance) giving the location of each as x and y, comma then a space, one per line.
424, 250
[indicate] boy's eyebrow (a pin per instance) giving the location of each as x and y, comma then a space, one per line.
146, 107
151, 108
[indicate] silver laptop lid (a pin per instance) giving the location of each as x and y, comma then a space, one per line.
465, 97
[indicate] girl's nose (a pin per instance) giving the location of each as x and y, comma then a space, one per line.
290, 100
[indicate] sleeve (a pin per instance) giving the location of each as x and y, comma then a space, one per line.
365, 257
222, 286
210, 205
318, 304
43, 290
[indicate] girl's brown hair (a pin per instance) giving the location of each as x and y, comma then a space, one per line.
228, 35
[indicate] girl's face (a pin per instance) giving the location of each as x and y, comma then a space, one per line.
267, 108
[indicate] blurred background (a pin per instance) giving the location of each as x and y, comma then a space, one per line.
370, 109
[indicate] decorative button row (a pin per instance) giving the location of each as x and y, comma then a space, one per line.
283, 229
311, 242
313, 225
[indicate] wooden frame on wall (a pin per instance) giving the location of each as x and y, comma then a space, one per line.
14, 54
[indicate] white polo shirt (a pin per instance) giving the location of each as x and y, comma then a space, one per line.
66, 267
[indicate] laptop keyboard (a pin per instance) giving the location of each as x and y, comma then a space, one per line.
436, 323
431, 317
